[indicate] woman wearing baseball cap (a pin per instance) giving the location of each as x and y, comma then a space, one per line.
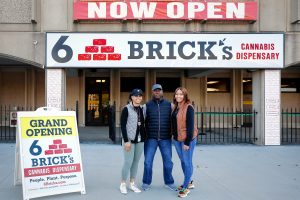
133, 133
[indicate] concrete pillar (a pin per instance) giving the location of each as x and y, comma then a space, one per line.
147, 91
56, 88
115, 92
236, 89
266, 102
193, 87
150, 76
81, 101
183, 80
203, 91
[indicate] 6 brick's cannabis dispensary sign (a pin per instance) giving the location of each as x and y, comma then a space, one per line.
48, 156
164, 50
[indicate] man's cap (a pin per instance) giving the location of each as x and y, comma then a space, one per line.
156, 86
136, 92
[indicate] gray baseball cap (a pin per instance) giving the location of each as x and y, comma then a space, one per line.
156, 86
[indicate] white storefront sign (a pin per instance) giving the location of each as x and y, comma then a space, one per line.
153, 50
48, 159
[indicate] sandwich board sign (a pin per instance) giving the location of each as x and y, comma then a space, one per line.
48, 159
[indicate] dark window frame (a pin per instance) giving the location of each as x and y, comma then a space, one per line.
247, 84
169, 84
227, 82
127, 84
291, 83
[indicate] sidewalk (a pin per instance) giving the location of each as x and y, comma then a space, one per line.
231, 172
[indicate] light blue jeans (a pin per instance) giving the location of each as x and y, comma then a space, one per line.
131, 160
186, 159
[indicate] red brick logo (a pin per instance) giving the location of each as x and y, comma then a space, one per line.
58, 148
99, 51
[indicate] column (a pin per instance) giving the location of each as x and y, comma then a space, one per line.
150, 76
236, 89
203, 91
193, 85
56, 88
266, 102
115, 91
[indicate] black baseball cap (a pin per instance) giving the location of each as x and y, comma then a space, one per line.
136, 92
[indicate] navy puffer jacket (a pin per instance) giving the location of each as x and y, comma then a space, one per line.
158, 119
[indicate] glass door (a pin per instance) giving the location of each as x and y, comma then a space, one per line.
97, 101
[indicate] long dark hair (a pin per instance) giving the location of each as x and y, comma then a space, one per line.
185, 96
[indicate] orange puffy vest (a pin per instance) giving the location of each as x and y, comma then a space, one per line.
181, 123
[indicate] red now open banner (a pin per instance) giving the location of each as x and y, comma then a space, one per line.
160, 10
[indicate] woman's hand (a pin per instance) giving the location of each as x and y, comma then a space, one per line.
186, 148
127, 146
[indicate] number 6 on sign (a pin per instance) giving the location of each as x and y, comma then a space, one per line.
61, 46
35, 149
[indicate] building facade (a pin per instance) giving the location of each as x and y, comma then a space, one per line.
29, 79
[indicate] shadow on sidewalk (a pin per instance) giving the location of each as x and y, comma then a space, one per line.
97, 134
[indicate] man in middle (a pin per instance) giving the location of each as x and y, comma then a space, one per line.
158, 125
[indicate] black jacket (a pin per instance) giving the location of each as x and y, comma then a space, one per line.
158, 119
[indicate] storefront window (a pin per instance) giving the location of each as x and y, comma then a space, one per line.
130, 83
168, 84
247, 86
290, 85
218, 85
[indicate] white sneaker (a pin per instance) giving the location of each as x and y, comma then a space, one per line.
123, 188
134, 188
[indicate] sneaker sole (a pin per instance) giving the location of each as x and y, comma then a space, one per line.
123, 192
171, 188
136, 191
184, 195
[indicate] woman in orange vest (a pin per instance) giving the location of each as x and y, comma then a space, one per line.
184, 131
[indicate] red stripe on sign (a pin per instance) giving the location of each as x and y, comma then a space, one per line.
114, 56
99, 41
58, 151
84, 56
99, 57
198, 10
57, 141
49, 152
63, 146
53, 146
67, 150
107, 49
91, 49
50, 170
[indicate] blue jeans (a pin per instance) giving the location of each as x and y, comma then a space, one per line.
165, 147
186, 159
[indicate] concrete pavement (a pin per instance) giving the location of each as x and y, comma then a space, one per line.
231, 172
